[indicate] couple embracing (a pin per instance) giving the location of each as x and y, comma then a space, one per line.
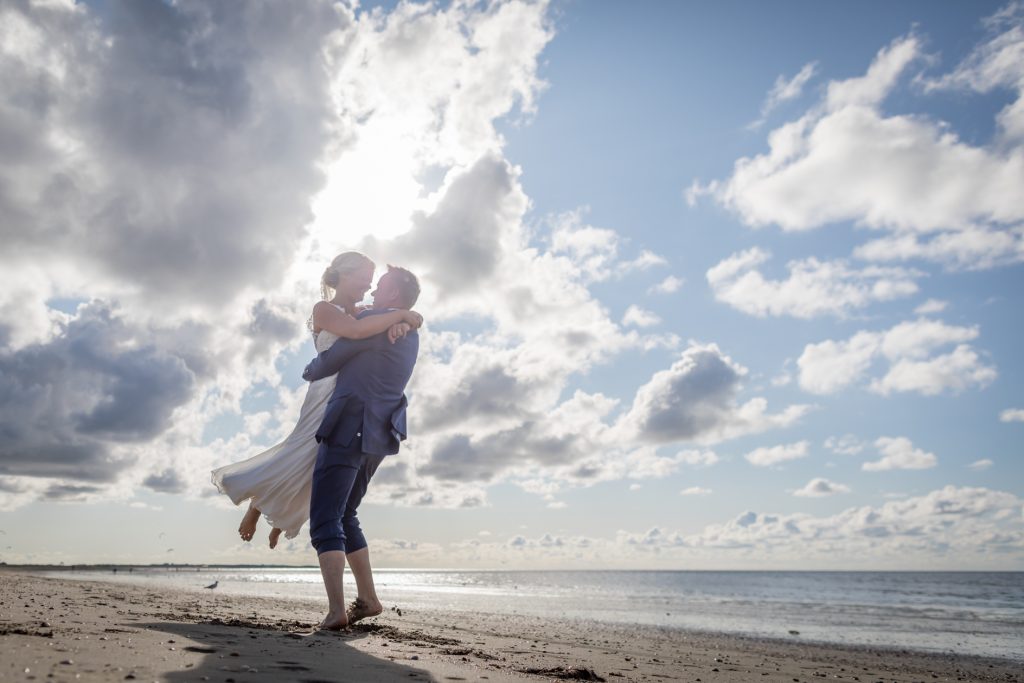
353, 416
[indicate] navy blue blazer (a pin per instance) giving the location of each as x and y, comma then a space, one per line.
369, 401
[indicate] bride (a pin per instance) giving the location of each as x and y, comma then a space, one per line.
277, 482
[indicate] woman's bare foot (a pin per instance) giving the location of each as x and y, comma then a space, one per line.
334, 622
275, 534
361, 609
248, 526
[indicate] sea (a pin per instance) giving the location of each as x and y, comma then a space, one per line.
978, 613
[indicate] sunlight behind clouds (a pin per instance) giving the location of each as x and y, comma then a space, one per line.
371, 190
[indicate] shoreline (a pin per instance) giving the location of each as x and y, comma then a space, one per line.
249, 565
113, 630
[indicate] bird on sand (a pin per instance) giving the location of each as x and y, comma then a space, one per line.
213, 585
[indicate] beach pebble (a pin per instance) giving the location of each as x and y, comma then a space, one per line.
67, 661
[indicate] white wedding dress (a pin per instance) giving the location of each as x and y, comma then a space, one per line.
279, 480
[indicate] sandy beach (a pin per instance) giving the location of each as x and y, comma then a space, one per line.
62, 630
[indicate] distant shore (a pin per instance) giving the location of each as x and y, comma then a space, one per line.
57, 629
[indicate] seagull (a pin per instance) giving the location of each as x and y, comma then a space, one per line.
161, 535
170, 550
213, 585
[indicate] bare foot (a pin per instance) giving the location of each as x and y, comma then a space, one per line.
361, 609
275, 534
248, 526
334, 622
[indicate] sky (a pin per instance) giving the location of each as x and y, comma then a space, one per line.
706, 285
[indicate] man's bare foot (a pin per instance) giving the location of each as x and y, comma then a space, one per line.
248, 526
334, 622
361, 609
275, 534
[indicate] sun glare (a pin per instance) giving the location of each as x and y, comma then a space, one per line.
371, 190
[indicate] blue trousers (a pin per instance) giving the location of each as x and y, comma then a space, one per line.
340, 479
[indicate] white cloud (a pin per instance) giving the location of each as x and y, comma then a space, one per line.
898, 453
784, 90
949, 528
829, 366
908, 348
936, 197
695, 400
646, 260
848, 444
813, 287
695, 491
956, 371
639, 317
881, 78
997, 63
937, 527
669, 285
931, 306
819, 488
1012, 415
982, 464
695, 458
969, 248
767, 456
595, 251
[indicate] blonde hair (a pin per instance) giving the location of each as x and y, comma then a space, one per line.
342, 265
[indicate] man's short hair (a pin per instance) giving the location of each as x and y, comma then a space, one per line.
408, 285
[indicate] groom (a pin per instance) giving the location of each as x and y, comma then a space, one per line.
363, 422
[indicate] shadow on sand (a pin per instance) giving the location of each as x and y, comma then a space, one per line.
257, 653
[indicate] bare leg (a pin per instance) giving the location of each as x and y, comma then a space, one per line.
275, 534
366, 604
248, 526
332, 569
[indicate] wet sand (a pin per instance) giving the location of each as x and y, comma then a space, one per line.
60, 630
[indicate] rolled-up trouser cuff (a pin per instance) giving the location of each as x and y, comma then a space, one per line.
354, 541
329, 544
